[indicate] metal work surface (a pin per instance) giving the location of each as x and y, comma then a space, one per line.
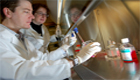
111, 69
86, 74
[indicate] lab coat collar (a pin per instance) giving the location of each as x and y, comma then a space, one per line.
34, 33
43, 40
43, 32
46, 35
8, 36
17, 42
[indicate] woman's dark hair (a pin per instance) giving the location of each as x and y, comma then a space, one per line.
37, 6
11, 4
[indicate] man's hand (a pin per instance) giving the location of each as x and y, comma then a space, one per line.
87, 51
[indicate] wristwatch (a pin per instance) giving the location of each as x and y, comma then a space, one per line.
75, 60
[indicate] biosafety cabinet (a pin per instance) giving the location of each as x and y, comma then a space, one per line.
101, 20
106, 19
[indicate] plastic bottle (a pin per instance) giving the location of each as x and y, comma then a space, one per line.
112, 50
128, 51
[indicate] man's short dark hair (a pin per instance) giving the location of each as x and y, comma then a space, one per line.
11, 4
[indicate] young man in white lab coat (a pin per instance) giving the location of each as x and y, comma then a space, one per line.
19, 59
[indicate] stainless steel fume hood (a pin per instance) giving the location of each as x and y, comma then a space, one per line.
102, 20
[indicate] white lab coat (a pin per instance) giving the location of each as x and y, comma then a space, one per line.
18, 63
41, 43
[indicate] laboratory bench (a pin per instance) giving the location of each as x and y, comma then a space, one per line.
102, 68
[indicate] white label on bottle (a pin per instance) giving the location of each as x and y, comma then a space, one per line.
126, 54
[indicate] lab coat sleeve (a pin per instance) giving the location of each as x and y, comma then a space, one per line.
13, 66
56, 54
53, 55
